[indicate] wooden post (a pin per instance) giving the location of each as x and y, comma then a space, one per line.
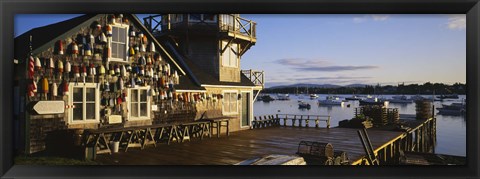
306, 122
300, 121
328, 122
277, 120
285, 121
293, 120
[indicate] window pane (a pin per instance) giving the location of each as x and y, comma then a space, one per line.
122, 35
134, 95
143, 95
134, 109
143, 109
90, 111
114, 50
115, 34
195, 17
78, 112
209, 17
90, 94
122, 51
233, 102
77, 94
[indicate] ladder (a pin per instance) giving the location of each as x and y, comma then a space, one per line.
367, 145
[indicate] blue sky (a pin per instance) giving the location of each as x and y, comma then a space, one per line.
345, 49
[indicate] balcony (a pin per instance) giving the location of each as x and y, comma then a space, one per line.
257, 77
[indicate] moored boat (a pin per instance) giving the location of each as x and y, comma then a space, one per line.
313, 96
330, 100
283, 97
369, 100
303, 105
400, 99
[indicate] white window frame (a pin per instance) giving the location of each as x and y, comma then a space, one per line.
129, 102
228, 49
125, 59
225, 112
97, 103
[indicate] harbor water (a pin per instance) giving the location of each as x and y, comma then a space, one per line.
451, 129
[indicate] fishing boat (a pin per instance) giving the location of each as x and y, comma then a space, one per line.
303, 105
370, 100
353, 98
283, 97
400, 99
452, 109
448, 96
313, 96
266, 98
331, 100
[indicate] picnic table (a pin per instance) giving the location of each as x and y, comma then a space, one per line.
140, 136
218, 122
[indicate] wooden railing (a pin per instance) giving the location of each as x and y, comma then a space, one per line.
257, 77
236, 24
419, 139
290, 120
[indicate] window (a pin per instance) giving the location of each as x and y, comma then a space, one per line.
202, 17
229, 56
119, 43
85, 98
230, 102
139, 105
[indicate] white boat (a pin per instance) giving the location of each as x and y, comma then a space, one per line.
283, 97
400, 99
353, 98
370, 100
330, 100
313, 96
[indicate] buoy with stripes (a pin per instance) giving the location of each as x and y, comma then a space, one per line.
65, 88
73, 48
103, 38
87, 49
32, 87
142, 48
31, 67
58, 49
108, 28
132, 32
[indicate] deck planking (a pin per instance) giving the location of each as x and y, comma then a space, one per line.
242, 145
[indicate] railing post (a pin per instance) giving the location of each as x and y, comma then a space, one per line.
293, 120
306, 122
316, 122
300, 121
285, 121
328, 122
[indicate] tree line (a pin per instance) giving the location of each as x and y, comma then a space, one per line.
411, 89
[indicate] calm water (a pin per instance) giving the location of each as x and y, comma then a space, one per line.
451, 130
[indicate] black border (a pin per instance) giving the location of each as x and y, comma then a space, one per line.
10, 7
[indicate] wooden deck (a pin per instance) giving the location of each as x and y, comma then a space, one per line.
247, 144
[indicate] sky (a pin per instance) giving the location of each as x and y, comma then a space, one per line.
344, 49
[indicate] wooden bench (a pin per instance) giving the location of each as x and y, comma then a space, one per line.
218, 123
267, 121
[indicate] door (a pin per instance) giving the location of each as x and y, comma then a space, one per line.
245, 121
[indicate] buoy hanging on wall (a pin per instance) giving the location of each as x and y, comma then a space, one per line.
31, 67
58, 50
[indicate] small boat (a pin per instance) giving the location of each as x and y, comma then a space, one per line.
283, 97
331, 100
453, 109
303, 105
448, 96
353, 98
266, 98
313, 96
400, 99
369, 100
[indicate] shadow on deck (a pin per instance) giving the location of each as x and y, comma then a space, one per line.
246, 144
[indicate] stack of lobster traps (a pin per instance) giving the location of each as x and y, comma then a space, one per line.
318, 153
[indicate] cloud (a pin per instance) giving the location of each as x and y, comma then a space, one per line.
457, 22
374, 17
320, 65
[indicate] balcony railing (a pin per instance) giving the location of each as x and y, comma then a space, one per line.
238, 25
257, 77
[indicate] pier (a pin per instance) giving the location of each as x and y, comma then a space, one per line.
278, 138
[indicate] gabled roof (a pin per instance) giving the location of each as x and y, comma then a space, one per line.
46, 36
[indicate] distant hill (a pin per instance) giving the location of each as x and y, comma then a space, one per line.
302, 85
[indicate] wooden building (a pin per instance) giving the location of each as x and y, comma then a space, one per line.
102, 70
